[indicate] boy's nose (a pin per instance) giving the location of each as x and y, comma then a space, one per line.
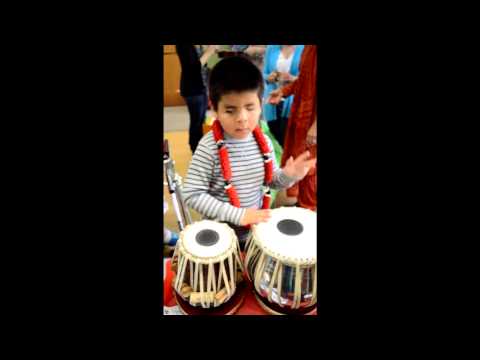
242, 115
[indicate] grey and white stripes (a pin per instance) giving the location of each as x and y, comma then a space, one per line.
204, 184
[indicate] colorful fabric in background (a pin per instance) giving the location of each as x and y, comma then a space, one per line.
303, 114
271, 58
277, 150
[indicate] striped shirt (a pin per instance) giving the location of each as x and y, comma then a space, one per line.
203, 188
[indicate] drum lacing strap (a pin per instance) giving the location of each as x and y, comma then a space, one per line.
248, 243
250, 240
256, 257
214, 279
248, 256
272, 280
237, 257
219, 275
314, 292
253, 251
235, 268
210, 275
236, 251
178, 280
223, 273
298, 288
202, 292
259, 271
184, 269
191, 272
195, 279
232, 273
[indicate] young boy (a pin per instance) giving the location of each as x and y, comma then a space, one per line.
234, 161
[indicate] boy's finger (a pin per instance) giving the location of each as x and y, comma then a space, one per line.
265, 214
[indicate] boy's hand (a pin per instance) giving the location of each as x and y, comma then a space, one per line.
254, 216
299, 167
275, 97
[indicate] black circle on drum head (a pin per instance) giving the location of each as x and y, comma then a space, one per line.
207, 237
290, 227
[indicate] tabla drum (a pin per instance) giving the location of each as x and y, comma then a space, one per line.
281, 261
208, 270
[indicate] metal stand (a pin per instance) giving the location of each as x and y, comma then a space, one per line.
174, 188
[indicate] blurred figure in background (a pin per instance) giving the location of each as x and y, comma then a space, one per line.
256, 53
193, 88
301, 134
281, 67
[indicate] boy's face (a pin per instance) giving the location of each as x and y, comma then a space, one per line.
239, 112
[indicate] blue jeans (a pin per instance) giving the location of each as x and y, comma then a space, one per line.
197, 108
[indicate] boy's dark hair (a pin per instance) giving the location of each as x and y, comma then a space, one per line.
234, 74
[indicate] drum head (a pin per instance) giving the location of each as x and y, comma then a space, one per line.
291, 233
207, 239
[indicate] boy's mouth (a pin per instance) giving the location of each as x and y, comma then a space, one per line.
242, 130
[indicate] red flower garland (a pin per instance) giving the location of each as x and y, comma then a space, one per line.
227, 171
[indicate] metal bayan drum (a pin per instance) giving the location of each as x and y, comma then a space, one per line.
281, 261
208, 269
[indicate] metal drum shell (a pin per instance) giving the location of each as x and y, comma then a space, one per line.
262, 282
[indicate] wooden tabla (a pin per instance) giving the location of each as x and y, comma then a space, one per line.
281, 261
208, 270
